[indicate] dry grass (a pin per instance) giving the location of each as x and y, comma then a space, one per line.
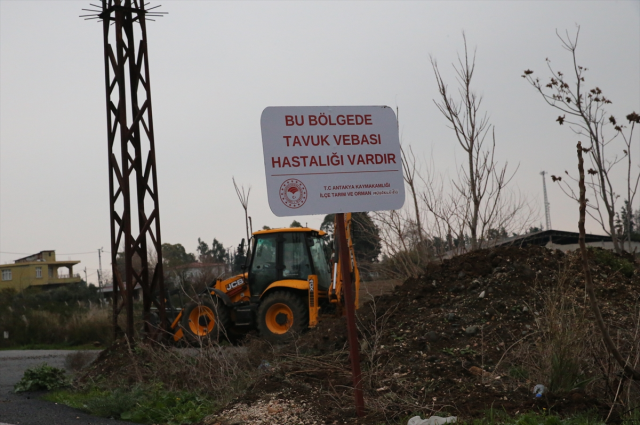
45, 327
559, 357
568, 353
219, 371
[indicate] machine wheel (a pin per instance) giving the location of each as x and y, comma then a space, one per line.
205, 320
281, 316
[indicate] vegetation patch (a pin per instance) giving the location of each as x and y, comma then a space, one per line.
154, 383
42, 377
70, 316
148, 404
615, 262
531, 418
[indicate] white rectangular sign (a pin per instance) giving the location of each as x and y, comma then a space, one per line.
331, 159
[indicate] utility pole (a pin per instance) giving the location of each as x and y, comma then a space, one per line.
100, 267
133, 183
547, 211
85, 277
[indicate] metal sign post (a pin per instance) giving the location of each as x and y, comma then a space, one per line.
349, 301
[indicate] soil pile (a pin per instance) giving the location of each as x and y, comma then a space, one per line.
476, 331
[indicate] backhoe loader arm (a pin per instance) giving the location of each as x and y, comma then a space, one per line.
336, 294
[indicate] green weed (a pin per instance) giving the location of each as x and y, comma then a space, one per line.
518, 372
618, 264
142, 404
565, 372
501, 418
42, 377
632, 416
449, 351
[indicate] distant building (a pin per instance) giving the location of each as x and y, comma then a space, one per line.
39, 269
565, 241
552, 239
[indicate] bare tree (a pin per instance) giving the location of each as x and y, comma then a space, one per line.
632, 186
586, 114
447, 213
606, 337
396, 228
481, 180
409, 167
467, 212
244, 201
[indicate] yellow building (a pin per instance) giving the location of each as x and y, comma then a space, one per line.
39, 269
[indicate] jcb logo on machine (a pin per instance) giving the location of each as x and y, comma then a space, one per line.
235, 284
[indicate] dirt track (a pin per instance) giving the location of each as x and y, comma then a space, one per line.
27, 408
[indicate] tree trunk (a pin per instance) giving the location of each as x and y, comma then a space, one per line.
608, 342
474, 199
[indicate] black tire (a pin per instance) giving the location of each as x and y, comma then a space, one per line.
197, 318
281, 316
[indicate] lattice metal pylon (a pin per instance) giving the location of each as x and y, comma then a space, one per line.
132, 162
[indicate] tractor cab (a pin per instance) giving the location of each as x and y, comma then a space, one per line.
291, 254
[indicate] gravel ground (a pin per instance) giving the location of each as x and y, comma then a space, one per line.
276, 411
28, 408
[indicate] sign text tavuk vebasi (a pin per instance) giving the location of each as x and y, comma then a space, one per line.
332, 159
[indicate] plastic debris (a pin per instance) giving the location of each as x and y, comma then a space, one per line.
264, 365
433, 420
538, 390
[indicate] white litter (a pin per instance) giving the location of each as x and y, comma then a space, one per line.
433, 420
538, 390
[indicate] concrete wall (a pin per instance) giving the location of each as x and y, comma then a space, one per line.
635, 246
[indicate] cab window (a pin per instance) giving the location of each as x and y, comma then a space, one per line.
317, 249
295, 260
263, 266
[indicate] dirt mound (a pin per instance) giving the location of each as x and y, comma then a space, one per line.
475, 332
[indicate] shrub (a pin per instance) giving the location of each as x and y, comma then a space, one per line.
42, 377
113, 404
615, 262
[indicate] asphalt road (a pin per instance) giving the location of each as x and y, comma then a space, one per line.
28, 408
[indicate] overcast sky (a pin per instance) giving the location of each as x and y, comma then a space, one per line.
216, 65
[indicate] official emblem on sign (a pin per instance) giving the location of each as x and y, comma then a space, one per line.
293, 193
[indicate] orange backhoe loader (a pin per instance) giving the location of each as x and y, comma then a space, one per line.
289, 278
